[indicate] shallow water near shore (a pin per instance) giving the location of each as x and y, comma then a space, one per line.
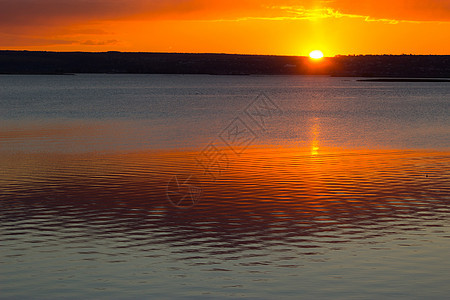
339, 190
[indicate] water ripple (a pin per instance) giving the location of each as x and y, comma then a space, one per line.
272, 208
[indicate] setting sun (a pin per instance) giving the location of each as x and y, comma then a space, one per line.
316, 54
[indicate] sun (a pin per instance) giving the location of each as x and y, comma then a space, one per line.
316, 54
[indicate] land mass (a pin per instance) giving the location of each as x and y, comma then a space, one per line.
406, 80
396, 66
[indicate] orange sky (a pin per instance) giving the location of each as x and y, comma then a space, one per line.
283, 27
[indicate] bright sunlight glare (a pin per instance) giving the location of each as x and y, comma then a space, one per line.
316, 54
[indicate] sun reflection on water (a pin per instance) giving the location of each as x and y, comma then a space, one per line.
315, 131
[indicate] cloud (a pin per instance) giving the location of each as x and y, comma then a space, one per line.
301, 13
99, 43
86, 22
25, 41
408, 10
42, 12
60, 12
388, 11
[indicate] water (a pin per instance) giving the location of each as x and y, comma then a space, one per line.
343, 193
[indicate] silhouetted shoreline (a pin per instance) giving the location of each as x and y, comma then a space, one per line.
67, 63
405, 80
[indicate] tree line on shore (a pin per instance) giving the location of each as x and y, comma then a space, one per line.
42, 62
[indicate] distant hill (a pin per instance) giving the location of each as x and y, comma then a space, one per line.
38, 62
407, 66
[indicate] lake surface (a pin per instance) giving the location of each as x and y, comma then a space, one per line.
223, 187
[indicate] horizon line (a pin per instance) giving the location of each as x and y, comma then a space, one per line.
217, 53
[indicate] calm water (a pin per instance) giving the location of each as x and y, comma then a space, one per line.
328, 188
